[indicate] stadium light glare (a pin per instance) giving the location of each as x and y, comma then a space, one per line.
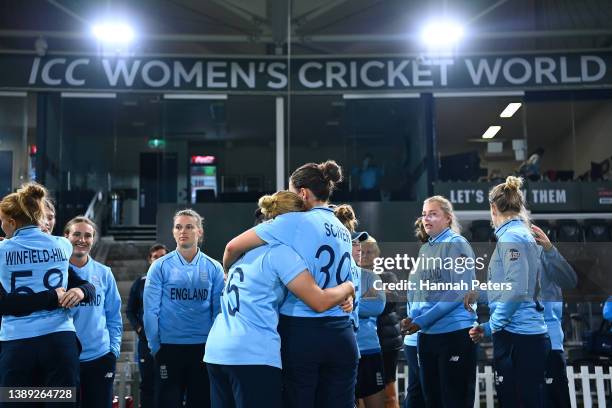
444, 33
510, 110
491, 132
113, 32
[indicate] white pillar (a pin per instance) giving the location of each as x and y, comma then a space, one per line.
280, 144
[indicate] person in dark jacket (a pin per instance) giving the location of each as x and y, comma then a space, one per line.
391, 339
134, 313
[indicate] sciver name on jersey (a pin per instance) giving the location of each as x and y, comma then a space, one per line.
323, 242
34, 262
245, 333
98, 323
181, 299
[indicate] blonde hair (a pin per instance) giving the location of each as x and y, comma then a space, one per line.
281, 202
508, 197
80, 219
346, 215
26, 206
372, 241
188, 212
447, 207
419, 230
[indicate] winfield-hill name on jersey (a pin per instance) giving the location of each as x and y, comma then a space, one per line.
33, 256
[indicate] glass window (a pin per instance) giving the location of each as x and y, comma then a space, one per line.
378, 142
15, 161
464, 153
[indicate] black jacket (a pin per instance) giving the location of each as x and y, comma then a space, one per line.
134, 310
388, 323
17, 304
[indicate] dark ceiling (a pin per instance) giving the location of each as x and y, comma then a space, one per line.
258, 27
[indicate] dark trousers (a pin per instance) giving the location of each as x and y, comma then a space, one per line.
51, 360
245, 386
447, 364
97, 377
146, 366
520, 364
414, 391
320, 359
556, 388
181, 375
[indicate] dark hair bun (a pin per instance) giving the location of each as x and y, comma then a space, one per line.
331, 171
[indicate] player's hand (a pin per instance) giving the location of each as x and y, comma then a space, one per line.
72, 297
404, 324
469, 299
476, 334
2, 238
347, 305
412, 328
60, 295
541, 237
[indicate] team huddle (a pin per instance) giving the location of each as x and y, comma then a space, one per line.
289, 318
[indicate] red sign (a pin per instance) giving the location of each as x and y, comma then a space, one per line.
203, 159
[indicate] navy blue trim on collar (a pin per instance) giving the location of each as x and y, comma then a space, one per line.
194, 261
505, 225
323, 208
439, 236
27, 227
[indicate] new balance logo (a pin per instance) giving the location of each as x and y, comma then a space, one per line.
549, 381
454, 359
379, 379
110, 374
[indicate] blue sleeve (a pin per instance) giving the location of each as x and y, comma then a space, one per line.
558, 270
217, 288
287, 263
459, 248
607, 310
152, 303
281, 230
516, 271
112, 310
370, 306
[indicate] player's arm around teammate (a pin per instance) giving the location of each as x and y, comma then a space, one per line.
243, 349
39, 349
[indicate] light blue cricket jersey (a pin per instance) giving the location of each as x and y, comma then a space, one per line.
181, 299
557, 275
356, 274
515, 261
443, 262
370, 308
98, 322
245, 332
323, 242
32, 261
